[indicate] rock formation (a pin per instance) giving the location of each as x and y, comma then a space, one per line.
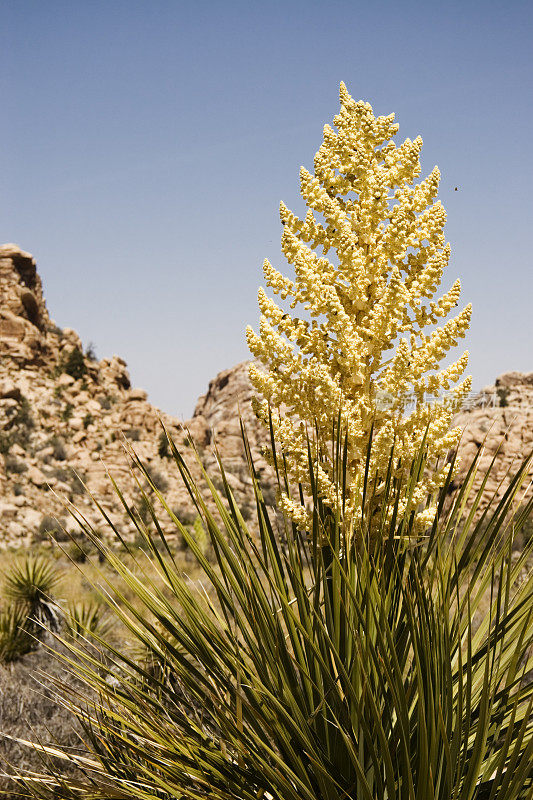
23, 315
498, 425
65, 419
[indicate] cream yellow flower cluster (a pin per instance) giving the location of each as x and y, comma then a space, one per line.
361, 350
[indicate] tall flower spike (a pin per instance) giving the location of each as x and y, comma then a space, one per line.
388, 237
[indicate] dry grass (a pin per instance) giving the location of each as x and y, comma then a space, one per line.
29, 710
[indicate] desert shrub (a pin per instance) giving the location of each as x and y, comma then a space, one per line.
58, 445
60, 473
88, 420
49, 526
55, 329
247, 509
156, 479
503, 394
80, 550
143, 508
77, 483
77, 551
106, 402
214, 476
185, 514
23, 415
15, 465
162, 446
16, 633
19, 427
90, 352
67, 412
73, 363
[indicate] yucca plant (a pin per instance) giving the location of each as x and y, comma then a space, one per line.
29, 584
31, 609
85, 619
16, 634
303, 667
377, 643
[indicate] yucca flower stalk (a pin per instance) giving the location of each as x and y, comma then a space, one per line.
366, 351
401, 672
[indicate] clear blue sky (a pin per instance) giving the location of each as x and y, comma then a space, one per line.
146, 146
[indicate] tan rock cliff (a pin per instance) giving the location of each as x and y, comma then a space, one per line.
65, 418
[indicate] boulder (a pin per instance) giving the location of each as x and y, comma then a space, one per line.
137, 394
36, 477
9, 390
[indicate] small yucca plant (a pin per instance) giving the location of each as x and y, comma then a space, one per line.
29, 585
300, 668
16, 634
85, 619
